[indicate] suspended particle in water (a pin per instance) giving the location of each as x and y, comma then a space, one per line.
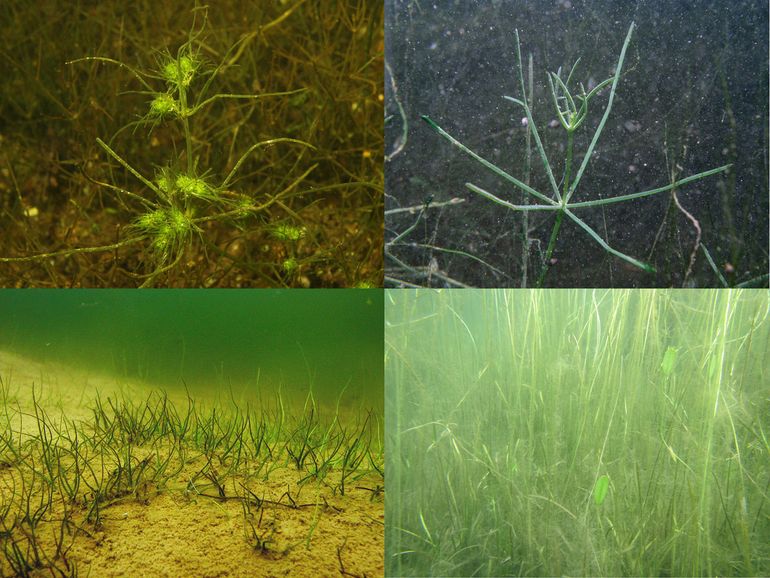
632, 125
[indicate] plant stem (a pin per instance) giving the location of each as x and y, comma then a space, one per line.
606, 115
527, 179
549, 250
568, 164
560, 214
184, 115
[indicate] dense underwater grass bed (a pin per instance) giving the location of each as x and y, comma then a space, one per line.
269, 488
601, 433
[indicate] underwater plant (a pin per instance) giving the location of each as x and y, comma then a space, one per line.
71, 478
600, 489
178, 200
559, 433
185, 195
571, 106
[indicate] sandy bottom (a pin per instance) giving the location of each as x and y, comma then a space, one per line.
306, 529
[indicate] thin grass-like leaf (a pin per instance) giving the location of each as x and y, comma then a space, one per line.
139, 75
605, 246
129, 168
494, 168
531, 121
499, 201
684, 181
599, 129
255, 146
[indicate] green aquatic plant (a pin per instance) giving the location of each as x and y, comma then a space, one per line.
64, 477
601, 487
179, 199
669, 360
601, 467
357, 450
571, 107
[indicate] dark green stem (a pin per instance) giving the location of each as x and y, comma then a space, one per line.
568, 164
560, 214
549, 250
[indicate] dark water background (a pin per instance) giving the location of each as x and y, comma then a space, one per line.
695, 75
210, 339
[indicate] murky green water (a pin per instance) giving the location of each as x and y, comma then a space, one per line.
603, 433
212, 340
127, 410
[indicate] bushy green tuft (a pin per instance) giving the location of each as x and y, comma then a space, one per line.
290, 265
151, 221
289, 232
166, 181
167, 228
163, 105
180, 72
195, 187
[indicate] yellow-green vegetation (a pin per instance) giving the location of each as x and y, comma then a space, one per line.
577, 433
65, 483
197, 148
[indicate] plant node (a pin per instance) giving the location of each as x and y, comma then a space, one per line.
163, 105
180, 72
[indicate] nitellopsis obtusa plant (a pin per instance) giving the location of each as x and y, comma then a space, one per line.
180, 196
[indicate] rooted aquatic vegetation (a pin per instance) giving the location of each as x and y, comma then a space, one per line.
602, 433
271, 486
181, 139
572, 111
183, 195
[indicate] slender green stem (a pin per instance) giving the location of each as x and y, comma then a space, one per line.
560, 214
129, 168
68, 252
549, 250
568, 163
184, 116
256, 146
139, 76
461, 253
606, 247
408, 230
199, 106
494, 168
673, 185
527, 178
478, 190
599, 129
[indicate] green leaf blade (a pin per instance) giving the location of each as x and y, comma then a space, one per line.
600, 489
669, 360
